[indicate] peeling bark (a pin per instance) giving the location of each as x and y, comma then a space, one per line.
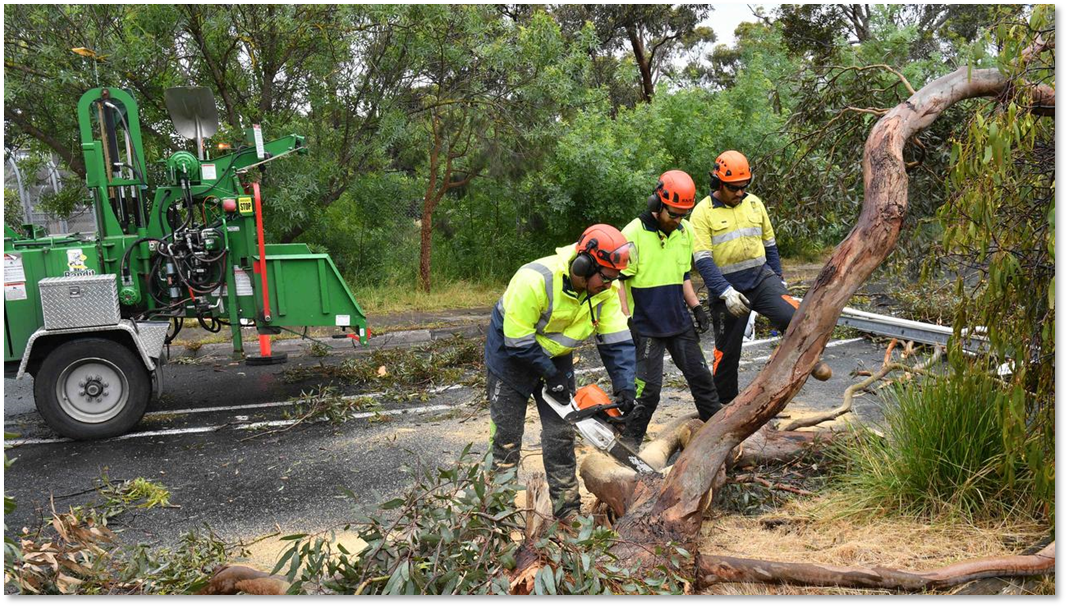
713, 569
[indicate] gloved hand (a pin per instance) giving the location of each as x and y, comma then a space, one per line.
784, 285
701, 317
633, 332
559, 387
737, 304
625, 401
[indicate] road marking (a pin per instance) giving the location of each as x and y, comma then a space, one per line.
274, 423
15, 443
253, 406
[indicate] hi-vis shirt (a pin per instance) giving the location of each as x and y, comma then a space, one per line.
539, 319
733, 244
654, 284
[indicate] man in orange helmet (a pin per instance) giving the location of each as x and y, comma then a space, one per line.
661, 298
735, 252
550, 307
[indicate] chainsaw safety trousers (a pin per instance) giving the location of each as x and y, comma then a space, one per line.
685, 351
508, 410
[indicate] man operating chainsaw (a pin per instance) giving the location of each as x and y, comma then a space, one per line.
550, 306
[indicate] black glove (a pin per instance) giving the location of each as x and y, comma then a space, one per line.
701, 318
625, 401
559, 387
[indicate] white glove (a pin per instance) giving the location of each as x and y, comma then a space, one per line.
737, 304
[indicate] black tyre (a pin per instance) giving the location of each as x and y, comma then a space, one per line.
92, 388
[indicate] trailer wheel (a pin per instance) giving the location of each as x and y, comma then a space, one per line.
92, 388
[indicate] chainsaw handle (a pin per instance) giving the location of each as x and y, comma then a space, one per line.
583, 414
597, 409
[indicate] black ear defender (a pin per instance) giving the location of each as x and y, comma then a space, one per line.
584, 265
654, 204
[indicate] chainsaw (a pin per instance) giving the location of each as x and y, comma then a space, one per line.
592, 412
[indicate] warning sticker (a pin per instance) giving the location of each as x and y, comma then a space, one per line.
76, 260
14, 277
244, 205
342, 320
207, 172
242, 283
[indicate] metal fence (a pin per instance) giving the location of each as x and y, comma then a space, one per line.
33, 188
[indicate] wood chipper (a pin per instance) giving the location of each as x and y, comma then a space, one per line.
87, 315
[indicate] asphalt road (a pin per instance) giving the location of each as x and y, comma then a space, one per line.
246, 482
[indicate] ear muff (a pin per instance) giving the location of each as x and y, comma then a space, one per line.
584, 265
654, 203
713, 179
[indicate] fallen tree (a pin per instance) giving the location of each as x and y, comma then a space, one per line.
670, 509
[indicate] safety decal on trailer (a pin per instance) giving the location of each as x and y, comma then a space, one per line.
14, 277
76, 260
342, 320
242, 283
244, 205
207, 172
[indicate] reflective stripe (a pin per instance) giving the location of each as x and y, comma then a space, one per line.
769, 243
548, 276
737, 234
519, 342
702, 255
743, 265
563, 340
612, 338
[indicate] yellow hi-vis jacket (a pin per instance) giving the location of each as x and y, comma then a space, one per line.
732, 244
538, 319
654, 284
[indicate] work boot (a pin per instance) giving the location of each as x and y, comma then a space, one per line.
822, 372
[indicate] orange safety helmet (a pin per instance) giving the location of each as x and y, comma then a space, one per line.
676, 188
602, 245
731, 166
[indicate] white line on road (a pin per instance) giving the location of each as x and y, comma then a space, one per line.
250, 425
274, 423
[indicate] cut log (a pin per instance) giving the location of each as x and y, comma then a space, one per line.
230, 580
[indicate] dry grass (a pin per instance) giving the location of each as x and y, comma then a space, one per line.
810, 531
394, 298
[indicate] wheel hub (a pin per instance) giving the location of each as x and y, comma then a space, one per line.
92, 390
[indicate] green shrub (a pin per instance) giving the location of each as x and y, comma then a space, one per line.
942, 451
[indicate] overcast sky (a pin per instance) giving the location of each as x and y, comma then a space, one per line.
726, 17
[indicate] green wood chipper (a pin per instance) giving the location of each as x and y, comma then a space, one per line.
88, 315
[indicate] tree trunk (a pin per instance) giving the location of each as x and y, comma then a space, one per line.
424, 240
643, 62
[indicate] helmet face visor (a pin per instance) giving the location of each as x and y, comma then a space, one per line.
619, 258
